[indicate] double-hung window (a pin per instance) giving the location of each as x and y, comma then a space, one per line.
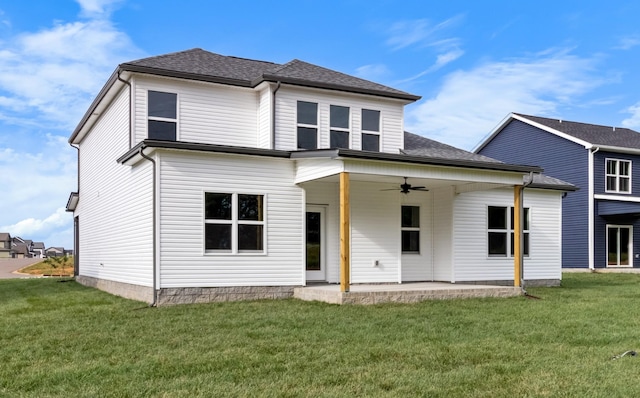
410, 228
234, 223
307, 125
370, 130
501, 231
339, 121
162, 115
618, 176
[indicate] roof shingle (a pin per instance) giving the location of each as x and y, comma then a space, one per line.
591, 133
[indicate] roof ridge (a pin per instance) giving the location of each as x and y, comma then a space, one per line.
556, 119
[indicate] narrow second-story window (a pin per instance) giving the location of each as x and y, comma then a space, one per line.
307, 125
410, 229
618, 176
370, 130
339, 120
162, 115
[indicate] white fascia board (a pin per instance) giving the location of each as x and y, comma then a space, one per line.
620, 198
560, 134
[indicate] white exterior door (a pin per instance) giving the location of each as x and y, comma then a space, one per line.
315, 258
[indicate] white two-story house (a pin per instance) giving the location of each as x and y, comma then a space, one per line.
207, 177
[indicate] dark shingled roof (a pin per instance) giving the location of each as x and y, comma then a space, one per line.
591, 133
198, 64
417, 145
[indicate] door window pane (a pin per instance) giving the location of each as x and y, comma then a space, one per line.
313, 235
411, 216
410, 241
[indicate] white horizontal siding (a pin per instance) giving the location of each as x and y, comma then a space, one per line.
375, 233
325, 194
443, 234
391, 114
185, 179
207, 113
116, 212
264, 119
470, 231
312, 169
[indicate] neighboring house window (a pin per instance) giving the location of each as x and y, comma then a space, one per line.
339, 121
307, 125
370, 130
500, 231
618, 176
162, 115
410, 229
234, 223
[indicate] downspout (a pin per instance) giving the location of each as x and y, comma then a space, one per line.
130, 108
154, 228
76, 233
521, 231
591, 206
273, 115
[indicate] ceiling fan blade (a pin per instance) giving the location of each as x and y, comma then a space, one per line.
423, 189
417, 187
390, 189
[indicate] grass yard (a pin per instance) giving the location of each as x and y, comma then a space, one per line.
53, 266
62, 339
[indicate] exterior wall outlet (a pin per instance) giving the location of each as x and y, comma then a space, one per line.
375, 263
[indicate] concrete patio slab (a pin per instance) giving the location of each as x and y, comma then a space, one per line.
400, 293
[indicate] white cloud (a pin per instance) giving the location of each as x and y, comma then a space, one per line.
420, 32
471, 103
35, 229
628, 42
632, 122
374, 72
47, 80
97, 8
55, 72
441, 60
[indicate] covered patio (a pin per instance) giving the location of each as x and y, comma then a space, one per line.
400, 293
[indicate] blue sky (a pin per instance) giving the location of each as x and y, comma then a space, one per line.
473, 62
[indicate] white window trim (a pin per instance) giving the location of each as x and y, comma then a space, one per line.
630, 244
371, 132
508, 231
164, 119
234, 222
341, 129
617, 175
311, 126
418, 228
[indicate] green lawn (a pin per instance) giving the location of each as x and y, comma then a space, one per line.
62, 339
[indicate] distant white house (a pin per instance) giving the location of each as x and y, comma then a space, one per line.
224, 178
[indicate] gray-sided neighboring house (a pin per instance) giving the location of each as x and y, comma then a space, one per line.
601, 221
239, 178
5, 245
54, 252
21, 250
